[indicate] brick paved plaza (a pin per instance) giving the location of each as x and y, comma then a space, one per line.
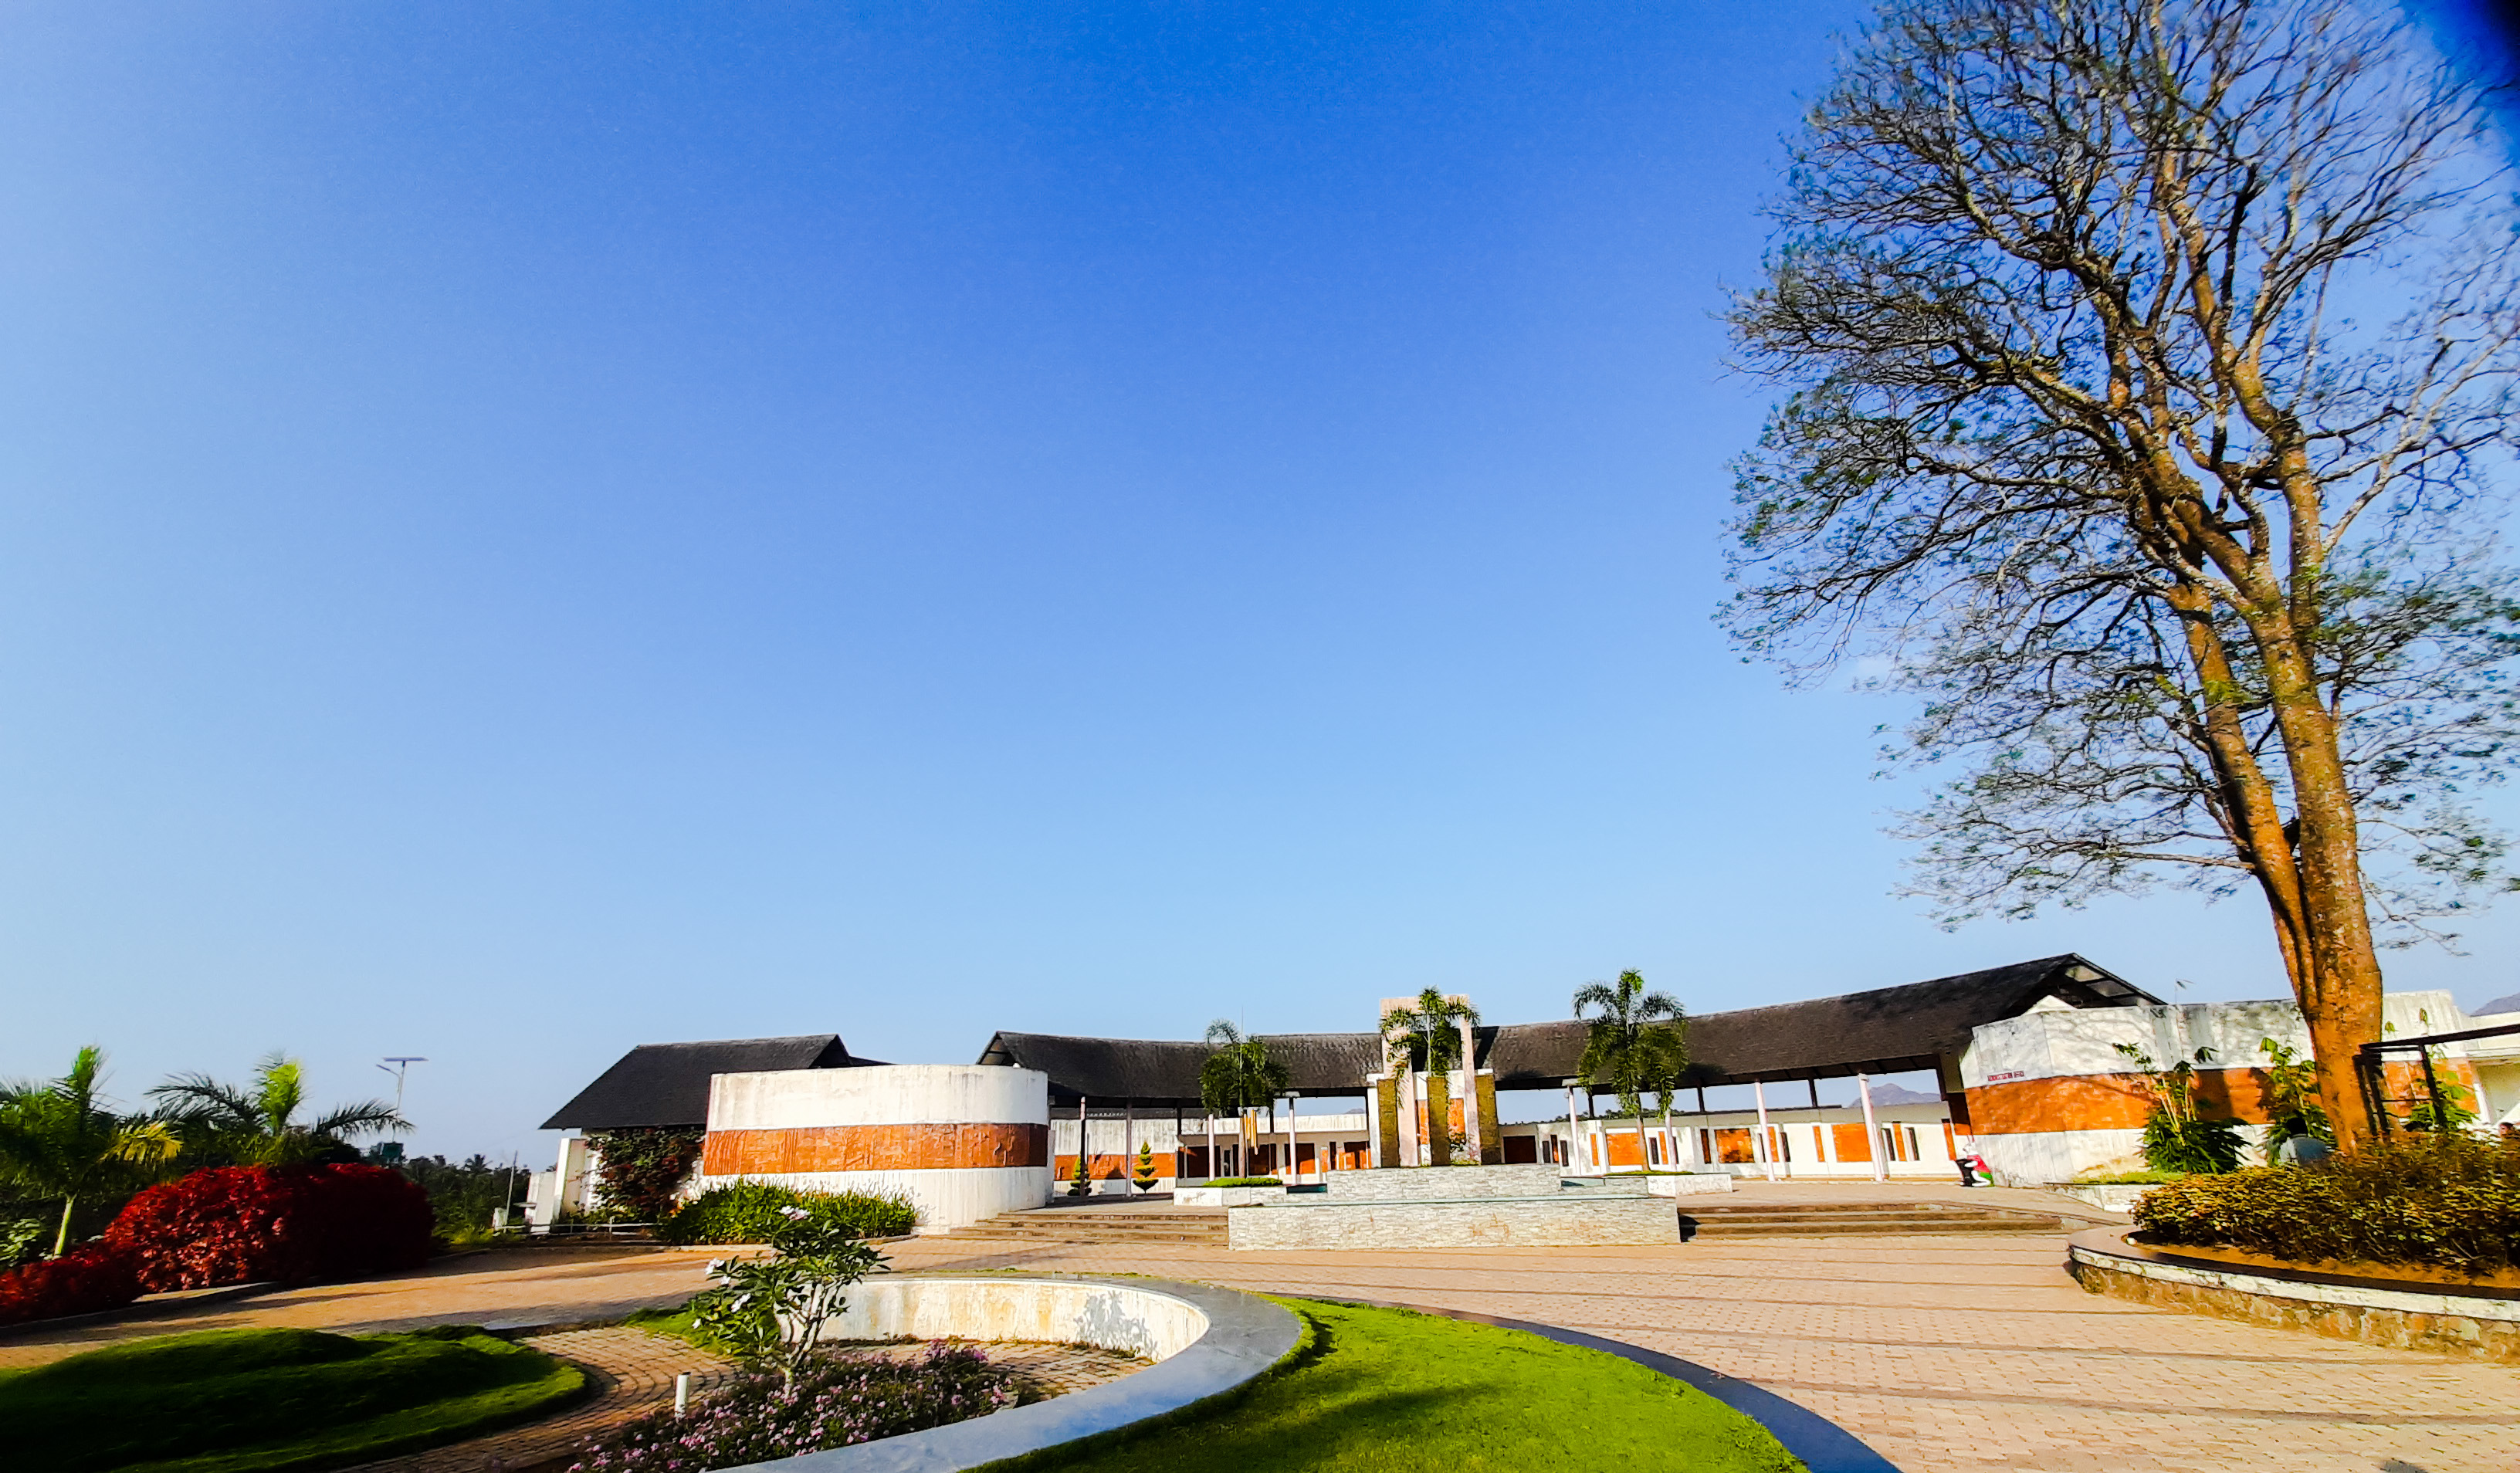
1946, 1353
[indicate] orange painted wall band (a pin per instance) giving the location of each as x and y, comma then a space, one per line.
873, 1147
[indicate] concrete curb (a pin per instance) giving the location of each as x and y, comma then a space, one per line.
2107, 1248
154, 1307
1245, 1336
1824, 1445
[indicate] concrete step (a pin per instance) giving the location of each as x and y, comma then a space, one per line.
1876, 1219
1086, 1227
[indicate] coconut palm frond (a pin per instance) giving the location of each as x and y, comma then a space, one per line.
200, 1098
366, 1117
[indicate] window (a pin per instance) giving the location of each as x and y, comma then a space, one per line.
1653, 1150
1913, 1155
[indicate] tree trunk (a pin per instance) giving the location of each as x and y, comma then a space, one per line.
2343, 1010
62, 1238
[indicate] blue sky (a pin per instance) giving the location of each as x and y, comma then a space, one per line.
527, 530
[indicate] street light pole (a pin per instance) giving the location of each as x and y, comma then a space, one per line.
395, 1066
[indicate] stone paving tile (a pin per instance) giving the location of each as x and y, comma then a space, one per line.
1946, 1353
520, 1287
633, 1372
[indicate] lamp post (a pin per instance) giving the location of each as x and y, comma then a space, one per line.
397, 1065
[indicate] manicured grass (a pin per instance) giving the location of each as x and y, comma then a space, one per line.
678, 1323
267, 1400
1391, 1391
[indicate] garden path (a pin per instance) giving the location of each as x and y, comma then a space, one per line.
633, 1372
511, 1289
1949, 1355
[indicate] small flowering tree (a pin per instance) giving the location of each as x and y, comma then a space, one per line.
770, 1311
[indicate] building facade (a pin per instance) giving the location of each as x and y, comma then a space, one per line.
2038, 1069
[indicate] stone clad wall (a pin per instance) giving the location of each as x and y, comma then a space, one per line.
1434, 1182
2484, 1331
1570, 1220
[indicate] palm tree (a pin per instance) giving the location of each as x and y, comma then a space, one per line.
258, 1125
1622, 1053
59, 1140
1666, 1067
1238, 1078
1433, 1027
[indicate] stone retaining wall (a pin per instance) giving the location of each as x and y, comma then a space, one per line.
1559, 1222
2414, 1319
1445, 1183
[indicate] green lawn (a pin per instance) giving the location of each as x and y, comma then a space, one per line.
233, 1401
1392, 1391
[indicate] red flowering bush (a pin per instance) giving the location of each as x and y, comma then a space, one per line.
90, 1278
284, 1223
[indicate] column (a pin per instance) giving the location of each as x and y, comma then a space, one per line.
1871, 1131
1574, 1132
1759, 1089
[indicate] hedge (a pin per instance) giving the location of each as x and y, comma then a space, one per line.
89, 1277
233, 1225
2451, 1202
283, 1224
746, 1212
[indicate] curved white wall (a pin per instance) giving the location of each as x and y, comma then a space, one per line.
964, 1142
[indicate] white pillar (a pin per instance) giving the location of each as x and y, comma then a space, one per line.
1574, 1131
1871, 1131
1759, 1089
1294, 1168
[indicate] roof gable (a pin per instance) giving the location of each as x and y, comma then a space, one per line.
668, 1084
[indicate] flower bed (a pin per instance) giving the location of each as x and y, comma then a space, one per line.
835, 1401
2451, 1203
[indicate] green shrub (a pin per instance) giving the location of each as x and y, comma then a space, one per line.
1244, 1182
747, 1211
2178, 1147
2451, 1202
642, 1168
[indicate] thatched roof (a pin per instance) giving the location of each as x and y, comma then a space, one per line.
1162, 1073
1889, 1030
668, 1084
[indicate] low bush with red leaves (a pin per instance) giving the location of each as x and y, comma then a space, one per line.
233, 1225
90, 1278
265, 1223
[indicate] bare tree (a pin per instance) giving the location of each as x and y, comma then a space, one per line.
2100, 443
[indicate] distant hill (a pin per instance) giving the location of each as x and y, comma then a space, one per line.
1889, 1095
2510, 1004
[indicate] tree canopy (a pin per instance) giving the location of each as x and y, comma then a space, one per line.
2150, 366
258, 1124
59, 1140
1239, 1075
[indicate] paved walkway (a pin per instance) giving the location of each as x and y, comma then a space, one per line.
633, 1372
1948, 1354
515, 1289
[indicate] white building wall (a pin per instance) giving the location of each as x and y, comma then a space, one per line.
896, 1094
